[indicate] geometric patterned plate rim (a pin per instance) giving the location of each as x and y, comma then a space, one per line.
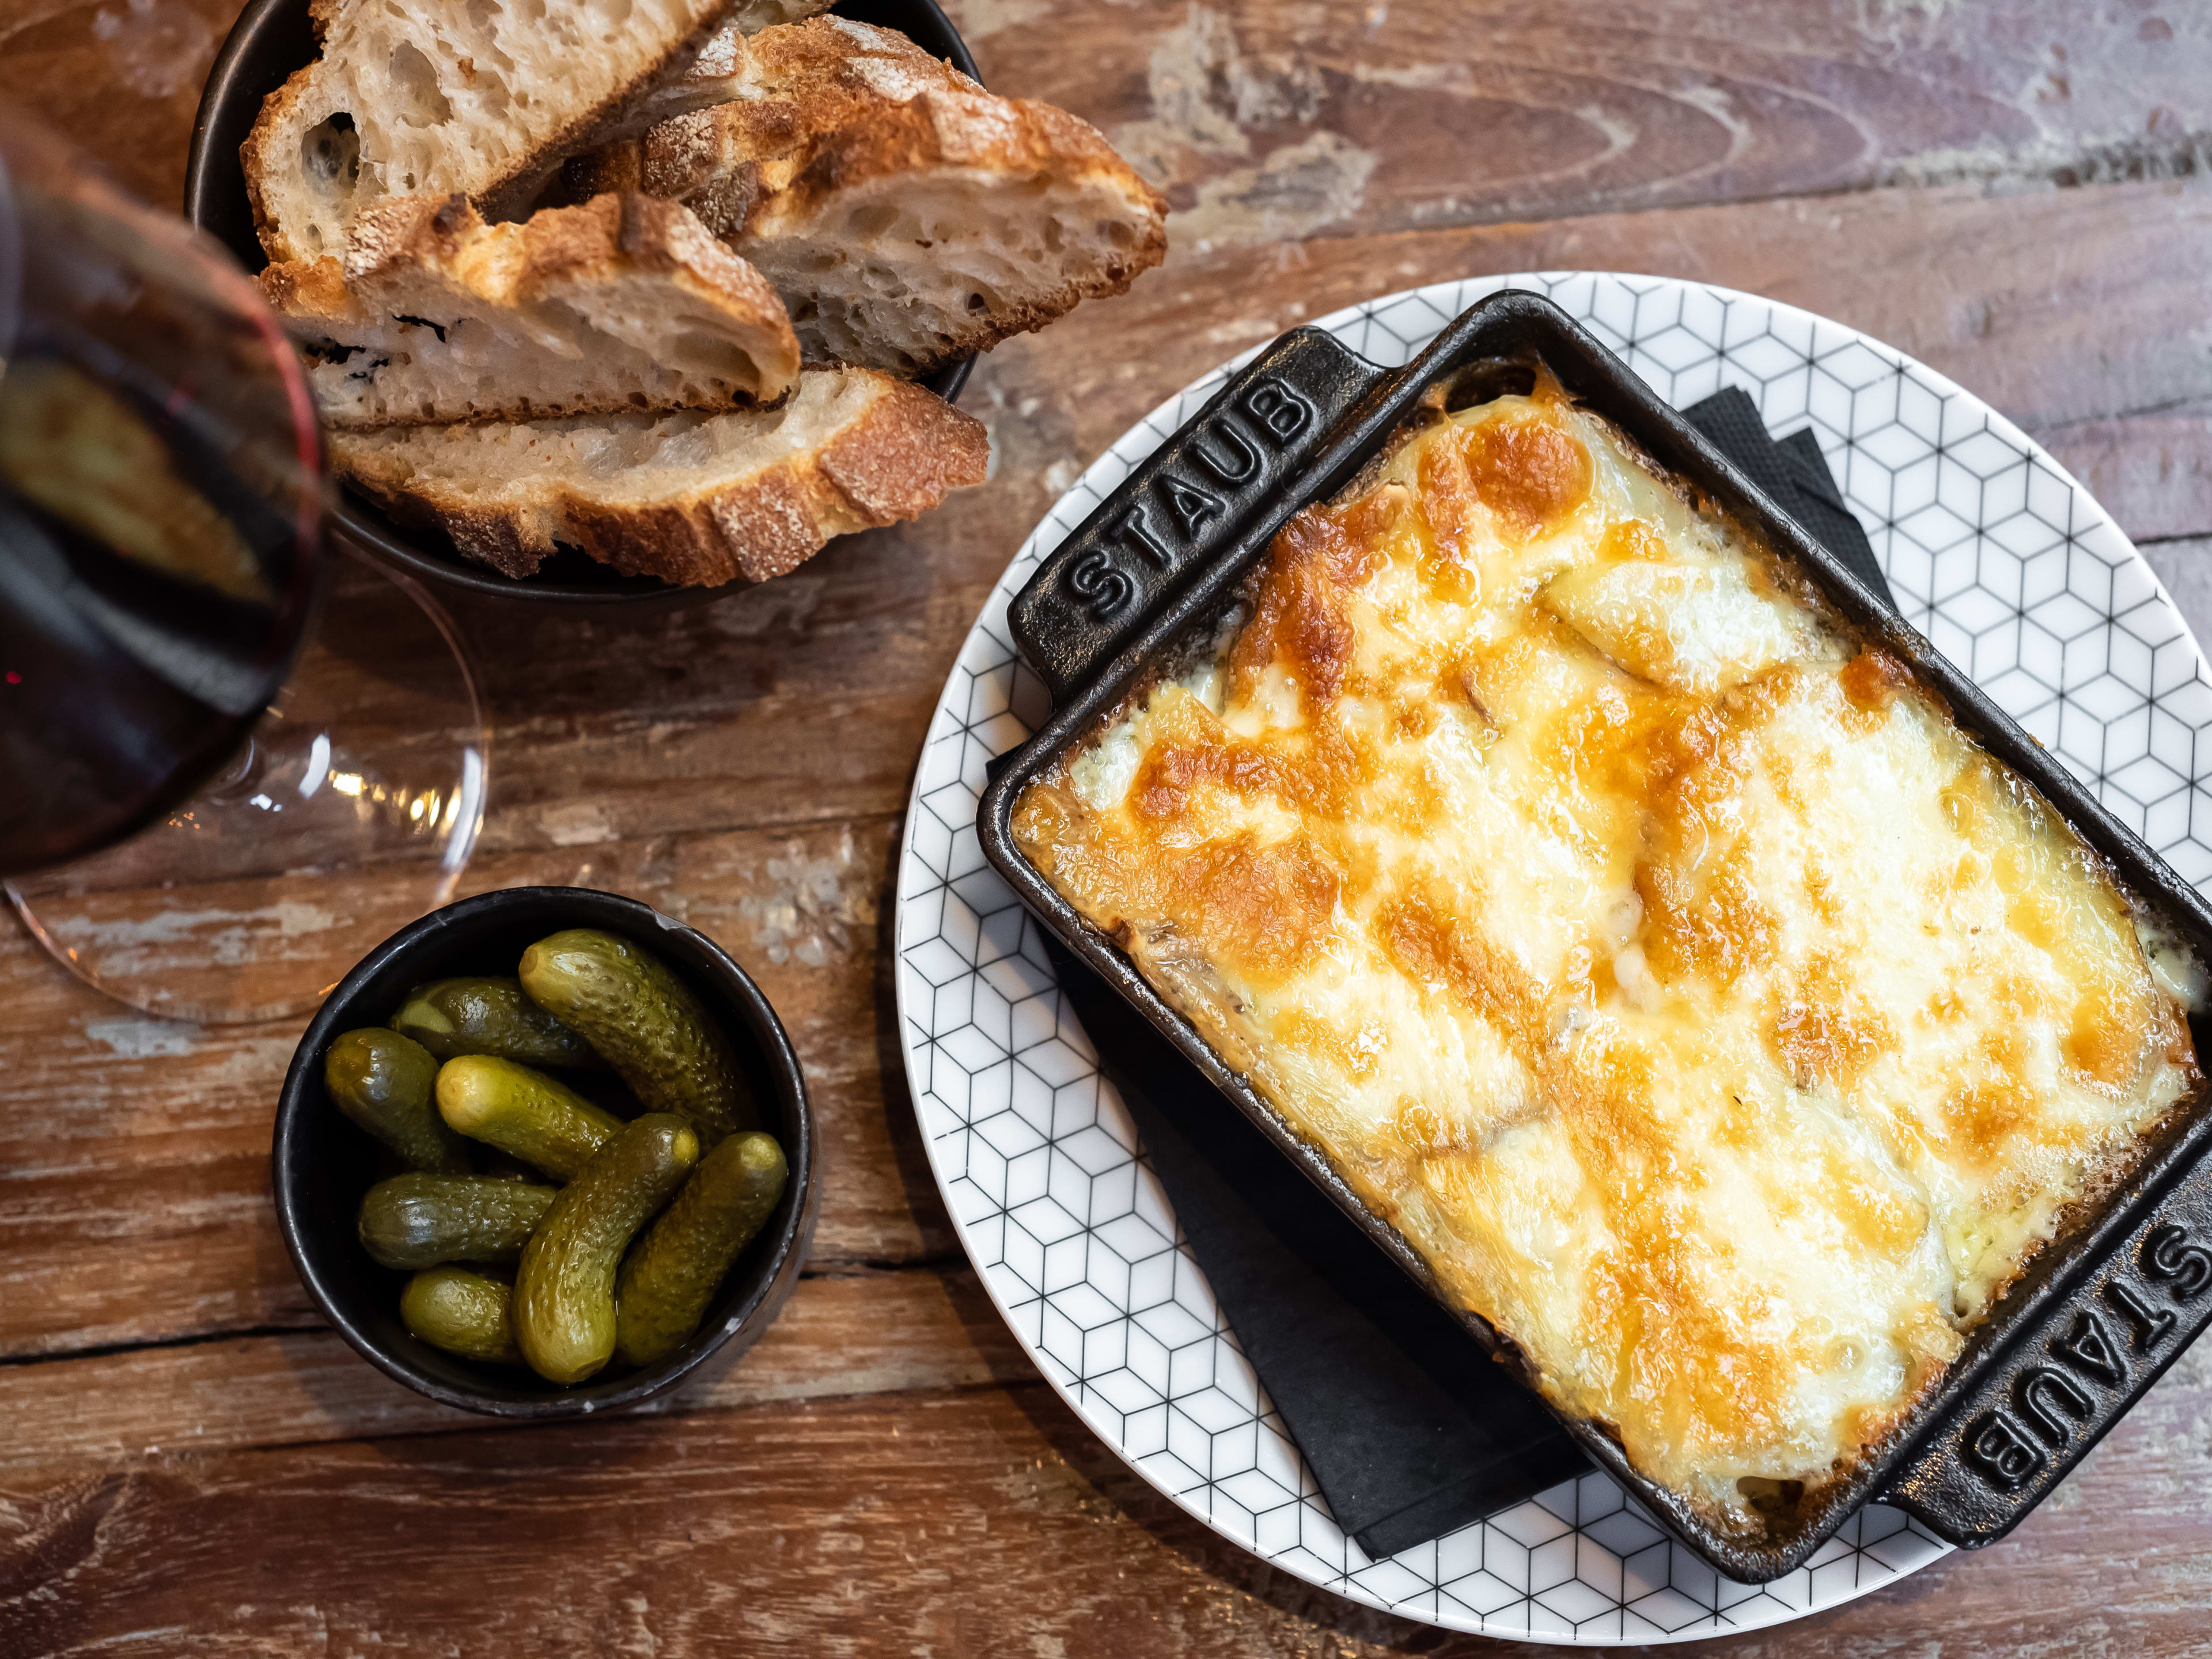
1992, 551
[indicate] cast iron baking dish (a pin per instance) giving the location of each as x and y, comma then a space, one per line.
271, 39
2102, 1311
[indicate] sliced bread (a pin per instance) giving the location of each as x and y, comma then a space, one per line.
623, 303
697, 500
434, 97
906, 215
717, 71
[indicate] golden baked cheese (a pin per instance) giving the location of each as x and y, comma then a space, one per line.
1721, 1023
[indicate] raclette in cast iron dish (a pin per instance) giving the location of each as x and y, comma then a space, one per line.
2100, 1311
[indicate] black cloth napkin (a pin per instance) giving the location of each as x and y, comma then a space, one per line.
1411, 1430
1794, 474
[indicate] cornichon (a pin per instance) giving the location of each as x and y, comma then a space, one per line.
383, 1082
670, 1276
524, 1113
461, 1312
418, 1220
564, 1290
646, 1023
490, 1015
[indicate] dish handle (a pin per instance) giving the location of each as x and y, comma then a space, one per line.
1221, 482
2077, 1365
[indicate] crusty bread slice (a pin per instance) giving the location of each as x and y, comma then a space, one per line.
697, 500
624, 302
718, 72
434, 97
906, 215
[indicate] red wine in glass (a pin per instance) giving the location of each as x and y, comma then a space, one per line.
210, 804
160, 480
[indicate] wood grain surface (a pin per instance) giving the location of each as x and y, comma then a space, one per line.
2012, 192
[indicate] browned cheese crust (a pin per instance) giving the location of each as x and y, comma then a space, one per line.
1721, 1025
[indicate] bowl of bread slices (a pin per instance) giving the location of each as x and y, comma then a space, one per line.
611, 300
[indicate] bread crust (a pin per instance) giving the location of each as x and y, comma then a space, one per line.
828, 108
896, 456
273, 145
918, 137
405, 248
259, 156
782, 93
611, 235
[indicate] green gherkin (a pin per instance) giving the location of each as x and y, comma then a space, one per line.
487, 1014
524, 1114
462, 1312
646, 1022
420, 1221
672, 1275
383, 1082
564, 1311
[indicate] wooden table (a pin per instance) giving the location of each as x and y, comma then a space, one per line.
2010, 190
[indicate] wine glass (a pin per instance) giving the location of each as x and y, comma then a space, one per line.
211, 803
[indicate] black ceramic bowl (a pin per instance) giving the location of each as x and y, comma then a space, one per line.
271, 39
322, 1163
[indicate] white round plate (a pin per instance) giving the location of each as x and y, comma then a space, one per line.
1993, 551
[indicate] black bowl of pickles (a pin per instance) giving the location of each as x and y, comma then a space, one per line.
545, 1153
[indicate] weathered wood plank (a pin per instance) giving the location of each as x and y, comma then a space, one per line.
2152, 472
860, 1333
2186, 566
2055, 306
983, 1522
947, 1525
1268, 119
133, 1153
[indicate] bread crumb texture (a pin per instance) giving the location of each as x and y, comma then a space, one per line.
906, 215
484, 100
623, 303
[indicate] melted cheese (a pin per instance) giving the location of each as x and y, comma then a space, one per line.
1722, 1025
